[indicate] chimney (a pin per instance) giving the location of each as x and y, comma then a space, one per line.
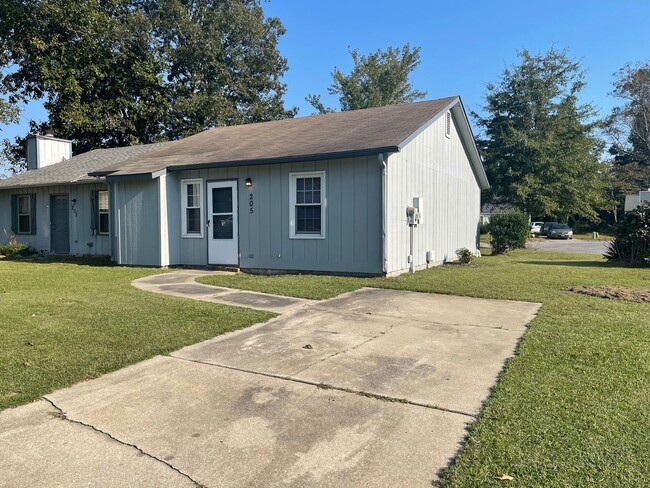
46, 150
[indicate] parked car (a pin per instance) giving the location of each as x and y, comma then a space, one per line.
546, 226
559, 231
536, 228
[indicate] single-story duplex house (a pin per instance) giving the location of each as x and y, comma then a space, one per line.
370, 192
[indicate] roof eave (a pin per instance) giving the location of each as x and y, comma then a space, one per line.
477, 161
256, 162
51, 183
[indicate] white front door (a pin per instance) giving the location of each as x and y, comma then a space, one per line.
223, 229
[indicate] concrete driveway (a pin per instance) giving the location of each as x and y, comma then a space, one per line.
372, 388
568, 245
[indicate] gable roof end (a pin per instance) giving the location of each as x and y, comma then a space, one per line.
467, 137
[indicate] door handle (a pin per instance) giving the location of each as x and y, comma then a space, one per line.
208, 223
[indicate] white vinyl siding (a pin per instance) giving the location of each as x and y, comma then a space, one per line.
192, 211
307, 205
439, 171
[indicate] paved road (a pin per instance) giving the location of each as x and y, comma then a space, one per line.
372, 388
568, 245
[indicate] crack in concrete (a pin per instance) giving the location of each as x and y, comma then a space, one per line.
326, 386
430, 322
63, 416
345, 351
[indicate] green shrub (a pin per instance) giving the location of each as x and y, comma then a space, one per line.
631, 243
14, 249
482, 228
508, 231
465, 256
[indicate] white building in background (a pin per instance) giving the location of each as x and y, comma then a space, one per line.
633, 201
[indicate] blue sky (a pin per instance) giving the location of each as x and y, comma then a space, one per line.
463, 44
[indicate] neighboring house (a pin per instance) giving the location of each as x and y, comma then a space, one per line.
326, 193
490, 209
633, 201
55, 206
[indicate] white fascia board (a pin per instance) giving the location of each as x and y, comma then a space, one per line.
465, 130
428, 123
470, 144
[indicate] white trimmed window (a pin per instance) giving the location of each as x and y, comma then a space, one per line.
307, 205
192, 211
24, 207
102, 210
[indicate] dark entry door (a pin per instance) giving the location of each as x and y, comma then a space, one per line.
60, 224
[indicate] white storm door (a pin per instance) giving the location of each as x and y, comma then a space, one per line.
223, 229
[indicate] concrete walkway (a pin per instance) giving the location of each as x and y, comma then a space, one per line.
371, 388
183, 284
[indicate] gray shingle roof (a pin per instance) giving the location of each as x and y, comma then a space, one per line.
496, 208
76, 169
341, 134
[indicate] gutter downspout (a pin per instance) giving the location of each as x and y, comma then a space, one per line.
384, 213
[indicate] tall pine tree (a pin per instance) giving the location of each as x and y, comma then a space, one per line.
538, 142
378, 79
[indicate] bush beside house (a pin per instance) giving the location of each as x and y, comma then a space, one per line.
15, 249
508, 231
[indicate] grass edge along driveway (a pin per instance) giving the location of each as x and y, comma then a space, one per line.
572, 408
61, 323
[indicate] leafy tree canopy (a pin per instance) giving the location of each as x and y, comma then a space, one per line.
629, 129
121, 72
538, 141
378, 79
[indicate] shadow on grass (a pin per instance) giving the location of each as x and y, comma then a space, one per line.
100, 261
589, 264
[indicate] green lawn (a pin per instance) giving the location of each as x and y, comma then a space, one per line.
61, 323
572, 408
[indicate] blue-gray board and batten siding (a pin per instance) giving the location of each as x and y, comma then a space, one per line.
353, 227
83, 240
136, 222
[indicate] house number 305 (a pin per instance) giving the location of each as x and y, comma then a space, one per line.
251, 203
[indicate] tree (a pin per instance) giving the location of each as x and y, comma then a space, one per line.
8, 112
221, 62
631, 243
122, 72
538, 141
629, 130
378, 79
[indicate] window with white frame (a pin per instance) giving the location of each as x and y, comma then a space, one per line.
102, 211
192, 211
24, 210
307, 200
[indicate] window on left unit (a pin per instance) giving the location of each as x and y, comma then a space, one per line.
192, 212
25, 214
102, 208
